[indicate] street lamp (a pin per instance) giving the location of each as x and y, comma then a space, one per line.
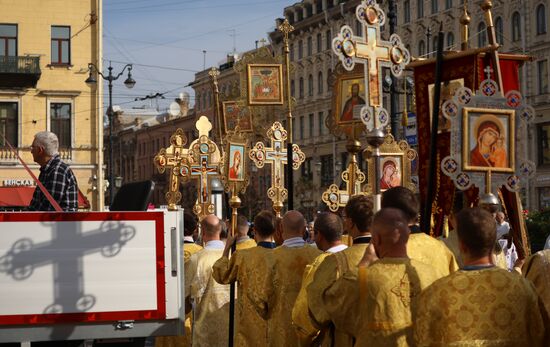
129, 83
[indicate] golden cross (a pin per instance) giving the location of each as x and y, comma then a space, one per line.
175, 158
373, 53
276, 155
204, 167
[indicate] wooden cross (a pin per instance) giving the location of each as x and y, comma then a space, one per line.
276, 155
175, 158
205, 166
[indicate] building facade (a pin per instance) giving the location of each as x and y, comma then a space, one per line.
44, 60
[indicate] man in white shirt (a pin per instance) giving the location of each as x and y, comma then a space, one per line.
503, 227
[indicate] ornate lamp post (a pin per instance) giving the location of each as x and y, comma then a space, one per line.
129, 83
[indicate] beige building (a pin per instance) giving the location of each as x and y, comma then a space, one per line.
45, 48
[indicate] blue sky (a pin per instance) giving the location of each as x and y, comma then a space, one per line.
173, 34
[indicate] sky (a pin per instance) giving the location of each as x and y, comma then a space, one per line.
165, 40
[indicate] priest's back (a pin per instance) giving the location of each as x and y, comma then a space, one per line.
481, 307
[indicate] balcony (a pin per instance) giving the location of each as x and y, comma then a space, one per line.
19, 72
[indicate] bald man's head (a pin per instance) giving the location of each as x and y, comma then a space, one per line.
211, 226
390, 232
294, 225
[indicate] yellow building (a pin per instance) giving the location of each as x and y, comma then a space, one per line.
45, 48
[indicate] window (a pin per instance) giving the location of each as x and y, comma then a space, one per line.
306, 169
320, 82
421, 48
434, 42
328, 39
499, 30
481, 35
358, 28
9, 114
311, 124
291, 49
329, 74
8, 40
292, 88
204, 101
309, 46
302, 128
320, 123
301, 87
448, 4
516, 27
319, 6
61, 45
327, 166
198, 102
310, 85
60, 123
319, 43
434, 6
407, 11
450, 40
541, 19
544, 198
543, 130
420, 9
300, 49
542, 66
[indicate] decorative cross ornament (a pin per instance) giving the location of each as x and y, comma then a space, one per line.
176, 159
276, 155
374, 53
204, 167
335, 198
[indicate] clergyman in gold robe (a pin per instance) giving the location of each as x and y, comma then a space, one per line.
211, 299
357, 220
243, 240
281, 285
327, 232
388, 287
537, 270
248, 267
480, 305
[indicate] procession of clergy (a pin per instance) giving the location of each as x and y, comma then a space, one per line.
390, 288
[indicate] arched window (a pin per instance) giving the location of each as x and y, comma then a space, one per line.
434, 42
310, 85
320, 83
329, 74
300, 49
499, 30
481, 35
421, 48
450, 40
292, 88
516, 27
541, 19
301, 87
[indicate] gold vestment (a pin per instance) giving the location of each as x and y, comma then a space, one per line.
280, 288
211, 324
248, 267
537, 270
487, 307
248, 243
431, 251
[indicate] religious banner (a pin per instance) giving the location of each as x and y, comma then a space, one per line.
265, 84
233, 115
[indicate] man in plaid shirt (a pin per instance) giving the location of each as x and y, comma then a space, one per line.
56, 176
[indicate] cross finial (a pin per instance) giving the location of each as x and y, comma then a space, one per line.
214, 73
203, 125
488, 71
286, 28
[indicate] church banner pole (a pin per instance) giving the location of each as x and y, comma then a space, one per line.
427, 212
235, 203
286, 29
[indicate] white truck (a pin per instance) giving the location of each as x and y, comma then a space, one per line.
90, 275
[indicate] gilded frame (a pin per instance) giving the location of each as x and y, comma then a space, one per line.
226, 118
341, 86
252, 70
491, 115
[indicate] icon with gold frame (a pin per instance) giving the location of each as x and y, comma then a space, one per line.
234, 115
488, 139
265, 84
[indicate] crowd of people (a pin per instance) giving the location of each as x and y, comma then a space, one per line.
391, 287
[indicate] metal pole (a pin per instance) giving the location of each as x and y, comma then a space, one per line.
392, 15
111, 152
235, 203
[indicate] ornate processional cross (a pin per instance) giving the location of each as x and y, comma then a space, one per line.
174, 158
374, 53
276, 155
205, 166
